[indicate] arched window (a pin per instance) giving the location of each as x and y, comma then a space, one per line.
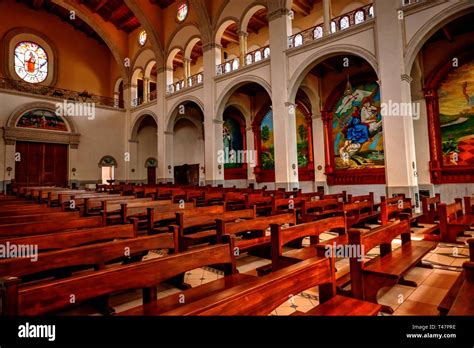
142, 38
248, 59
31, 62
359, 17
199, 78
298, 40
227, 68
182, 13
258, 56
266, 53
344, 23
333, 27
371, 11
107, 165
42, 119
318, 33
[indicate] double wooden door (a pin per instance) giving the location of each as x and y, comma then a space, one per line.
41, 164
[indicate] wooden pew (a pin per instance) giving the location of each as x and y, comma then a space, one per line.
52, 196
469, 204
139, 209
263, 295
452, 221
146, 275
367, 278
448, 300
85, 257
391, 208
362, 198
430, 209
198, 229
35, 228
214, 198
93, 205
235, 200
111, 208
359, 213
37, 209
312, 210
74, 238
74, 201
464, 302
341, 197
262, 203
281, 237
45, 216
255, 228
284, 205
155, 217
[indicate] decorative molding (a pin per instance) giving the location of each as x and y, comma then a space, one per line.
37, 135
210, 46
278, 14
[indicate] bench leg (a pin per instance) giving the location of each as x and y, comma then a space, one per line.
406, 282
102, 305
422, 264
373, 283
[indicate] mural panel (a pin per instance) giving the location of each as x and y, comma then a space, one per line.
42, 119
302, 144
233, 142
357, 129
456, 116
267, 155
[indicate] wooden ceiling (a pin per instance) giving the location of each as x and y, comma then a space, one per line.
178, 61
114, 11
64, 15
162, 3
257, 22
303, 7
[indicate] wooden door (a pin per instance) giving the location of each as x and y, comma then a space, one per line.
41, 164
151, 175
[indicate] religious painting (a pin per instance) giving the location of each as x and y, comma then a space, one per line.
233, 142
42, 119
31, 62
267, 155
302, 144
456, 116
357, 129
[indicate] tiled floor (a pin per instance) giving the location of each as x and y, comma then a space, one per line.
433, 284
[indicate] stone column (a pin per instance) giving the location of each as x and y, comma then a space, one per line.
399, 144
327, 16
284, 123
146, 89
162, 150
242, 46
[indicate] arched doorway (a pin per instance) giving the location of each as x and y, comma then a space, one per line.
144, 147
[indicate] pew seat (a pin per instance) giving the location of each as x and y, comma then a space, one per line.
343, 306
464, 303
190, 295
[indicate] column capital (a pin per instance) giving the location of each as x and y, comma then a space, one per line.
215, 121
275, 14
163, 69
169, 133
146, 79
242, 33
211, 46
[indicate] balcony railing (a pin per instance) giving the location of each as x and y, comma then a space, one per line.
60, 93
137, 102
227, 67
257, 55
357, 16
180, 85
411, 2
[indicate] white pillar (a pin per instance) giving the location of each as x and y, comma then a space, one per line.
162, 150
284, 123
399, 144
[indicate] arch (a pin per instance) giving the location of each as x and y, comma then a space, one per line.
190, 45
135, 74
107, 161
248, 14
149, 67
151, 162
117, 85
174, 110
183, 33
237, 83
431, 27
223, 26
172, 53
142, 57
313, 60
136, 124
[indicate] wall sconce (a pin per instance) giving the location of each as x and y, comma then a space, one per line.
9, 170
74, 170
133, 170
219, 167
169, 169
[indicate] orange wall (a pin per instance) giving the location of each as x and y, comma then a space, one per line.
83, 64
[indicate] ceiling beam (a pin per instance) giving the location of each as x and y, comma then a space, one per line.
99, 5
302, 8
231, 37
126, 22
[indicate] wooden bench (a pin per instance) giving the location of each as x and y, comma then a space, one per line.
93, 205
448, 300
312, 210
8, 211
253, 231
214, 198
52, 196
361, 198
35, 228
74, 238
469, 204
430, 209
146, 275
111, 209
464, 303
139, 209
159, 219
197, 229
261, 296
262, 203
341, 197
76, 201
368, 277
453, 222
284, 205
45, 216
65, 261
235, 200
359, 213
